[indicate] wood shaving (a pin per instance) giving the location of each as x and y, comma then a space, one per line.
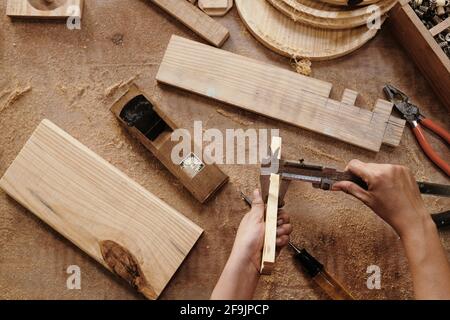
14, 96
110, 91
302, 66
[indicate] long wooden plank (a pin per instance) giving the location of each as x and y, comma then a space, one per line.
196, 20
57, 9
273, 185
109, 216
276, 93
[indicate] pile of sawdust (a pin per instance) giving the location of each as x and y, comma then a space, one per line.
302, 66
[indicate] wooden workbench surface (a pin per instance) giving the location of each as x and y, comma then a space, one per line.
73, 77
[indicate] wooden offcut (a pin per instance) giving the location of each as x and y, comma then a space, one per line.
47, 9
202, 178
102, 211
276, 93
196, 20
284, 36
215, 7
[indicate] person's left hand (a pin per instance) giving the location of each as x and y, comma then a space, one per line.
249, 241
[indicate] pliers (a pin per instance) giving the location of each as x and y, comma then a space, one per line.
416, 120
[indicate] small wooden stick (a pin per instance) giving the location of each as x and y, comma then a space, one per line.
270, 236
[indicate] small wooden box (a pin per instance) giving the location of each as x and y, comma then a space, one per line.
153, 128
418, 41
58, 9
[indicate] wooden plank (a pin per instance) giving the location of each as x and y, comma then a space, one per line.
282, 35
106, 214
196, 20
216, 8
422, 48
270, 235
53, 9
198, 174
273, 92
440, 27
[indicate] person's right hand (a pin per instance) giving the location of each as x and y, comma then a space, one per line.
393, 194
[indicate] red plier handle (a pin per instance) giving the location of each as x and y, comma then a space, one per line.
427, 148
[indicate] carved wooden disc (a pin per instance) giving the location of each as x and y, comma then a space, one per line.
286, 37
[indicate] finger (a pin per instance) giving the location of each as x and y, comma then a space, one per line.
360, 169
353, 189
282, 241
283, 219
285, 229
257, 199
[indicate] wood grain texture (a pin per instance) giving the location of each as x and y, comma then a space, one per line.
276, 93
41, 9
102, 211
270, 235
288, 38
345, 2
322, 15
201, 184
422, 48
196, 20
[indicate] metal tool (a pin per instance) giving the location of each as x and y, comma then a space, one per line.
416, 120
321, 277
324, 178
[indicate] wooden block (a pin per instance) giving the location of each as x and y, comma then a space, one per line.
270, 235
154, 131
349, 97
113, 219
196, 20
276, 93
215, 7
48, 9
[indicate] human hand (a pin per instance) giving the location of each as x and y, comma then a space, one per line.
249, 241
393, 194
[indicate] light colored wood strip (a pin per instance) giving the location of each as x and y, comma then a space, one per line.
196, 20
267, 90
102, 211
270, 235
58, 9
440, 27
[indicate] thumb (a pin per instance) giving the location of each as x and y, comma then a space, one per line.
257, 202
353, 189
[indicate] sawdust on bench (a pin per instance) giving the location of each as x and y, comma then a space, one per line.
15, 95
